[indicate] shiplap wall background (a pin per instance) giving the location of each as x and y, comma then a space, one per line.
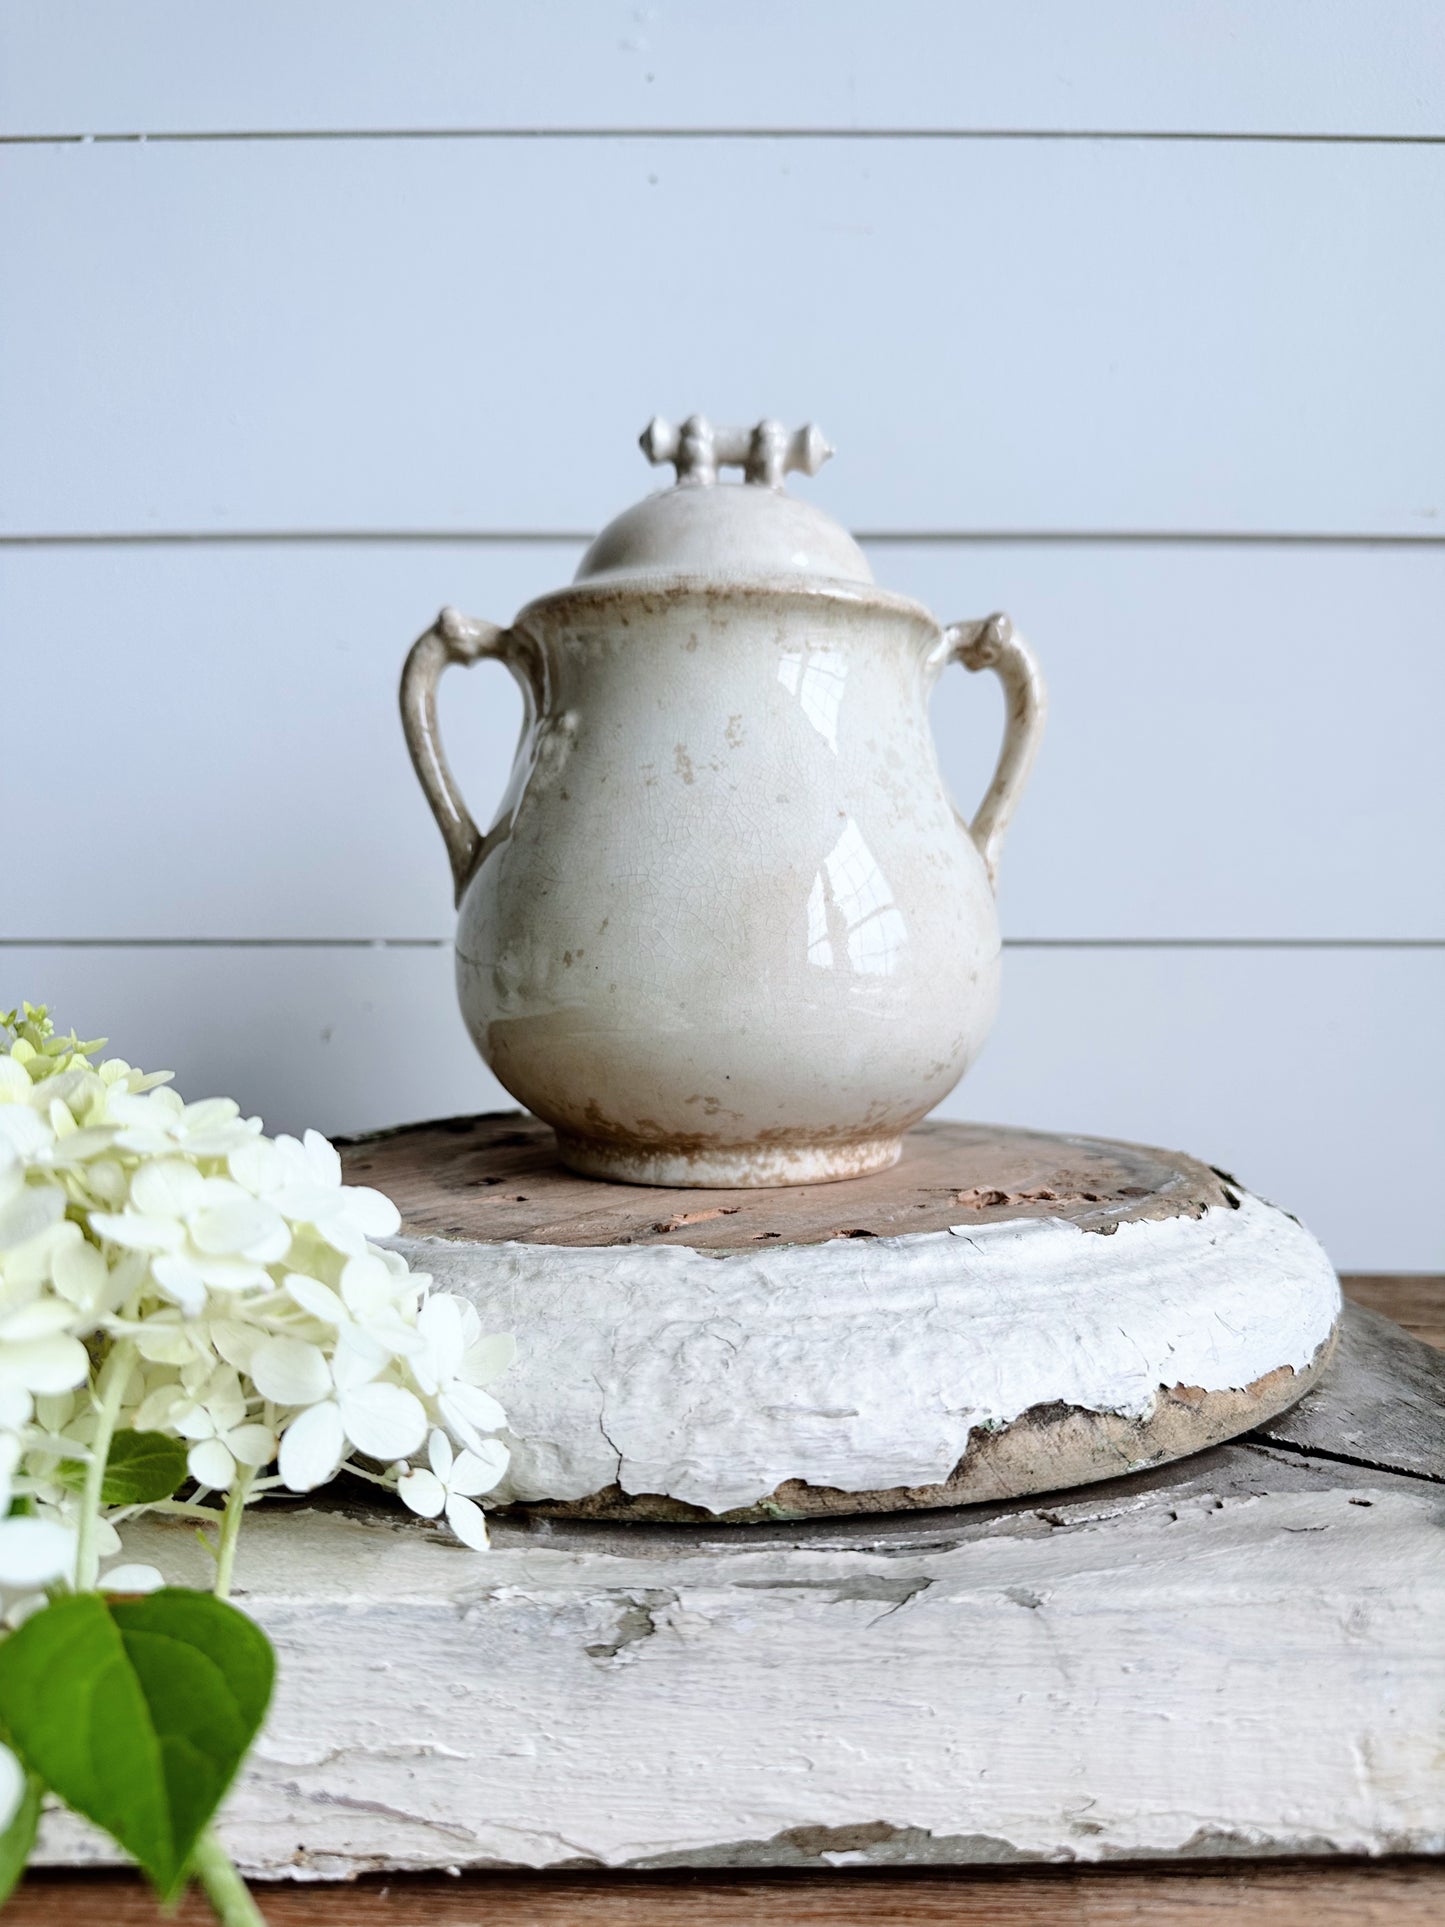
1125, 317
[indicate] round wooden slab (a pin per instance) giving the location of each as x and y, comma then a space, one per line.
494, 1178
1002, 1312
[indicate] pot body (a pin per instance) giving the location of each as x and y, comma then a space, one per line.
728, 928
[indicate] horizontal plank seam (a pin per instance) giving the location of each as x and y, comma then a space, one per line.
1267, 1443
233, 136
445, 943
878, 538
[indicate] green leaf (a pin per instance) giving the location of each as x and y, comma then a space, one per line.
138, 1713
19, 1837
142, 1467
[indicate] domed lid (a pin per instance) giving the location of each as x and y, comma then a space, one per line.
733, 532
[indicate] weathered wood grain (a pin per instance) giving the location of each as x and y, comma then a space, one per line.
1370, 1894
1131, 1670
867, 1346
1193, 1512
495, 1178
1382, 1402
1414, 1300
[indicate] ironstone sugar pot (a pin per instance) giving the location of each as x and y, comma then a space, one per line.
728, 928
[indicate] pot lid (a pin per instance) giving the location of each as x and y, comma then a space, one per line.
751, 530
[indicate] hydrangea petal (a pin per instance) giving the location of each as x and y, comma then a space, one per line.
440, 1455
342, 1235
132, 1578
178, 1279
311, 1448
372, 1212
29, 1213
224, 1399
423, 1491
218, 1143
320, 1300
476, 1472
323, 1158
211, 1464
82, 1145
14, 1082
34, 1552
161, 1342
41, 1318
479, 1407
45, 1364
235, 1341
193, 1421
228, 1274
253, 1445
137, 1232
290, 1371
167, 1188
255, 1165
155, 1410
383, 1421
366, 1286
488, 1358
80, 1273
357, 1361
23, 1131
247, 1228
467, 1521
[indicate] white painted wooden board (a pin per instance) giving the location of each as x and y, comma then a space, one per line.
1243, 1660
460, 334
1226, 66
1243, 742
1313, 1075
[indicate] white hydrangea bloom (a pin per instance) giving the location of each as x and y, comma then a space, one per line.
232, 1286
453, 1484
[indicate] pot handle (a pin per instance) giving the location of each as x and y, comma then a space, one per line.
452, 638
993, 643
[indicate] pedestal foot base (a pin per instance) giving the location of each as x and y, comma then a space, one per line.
745, 1168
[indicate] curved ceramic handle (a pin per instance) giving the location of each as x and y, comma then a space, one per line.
451, 638
993, 644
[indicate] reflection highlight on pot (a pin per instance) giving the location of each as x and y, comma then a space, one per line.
853, 922
816, 676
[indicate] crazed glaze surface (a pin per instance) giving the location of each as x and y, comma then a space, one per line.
868, 1365
728, 928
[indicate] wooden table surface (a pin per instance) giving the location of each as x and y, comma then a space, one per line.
1255, 1894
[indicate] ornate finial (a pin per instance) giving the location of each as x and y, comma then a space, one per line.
765, 453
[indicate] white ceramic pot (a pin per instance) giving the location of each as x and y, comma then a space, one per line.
728, 928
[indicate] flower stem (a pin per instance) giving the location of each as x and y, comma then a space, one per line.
231, 1531
114, 1377
225, 1889
181, 1509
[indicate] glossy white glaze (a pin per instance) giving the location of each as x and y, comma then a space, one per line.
728, 927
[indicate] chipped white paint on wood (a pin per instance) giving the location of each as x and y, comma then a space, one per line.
867, 1364
1170, 1672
